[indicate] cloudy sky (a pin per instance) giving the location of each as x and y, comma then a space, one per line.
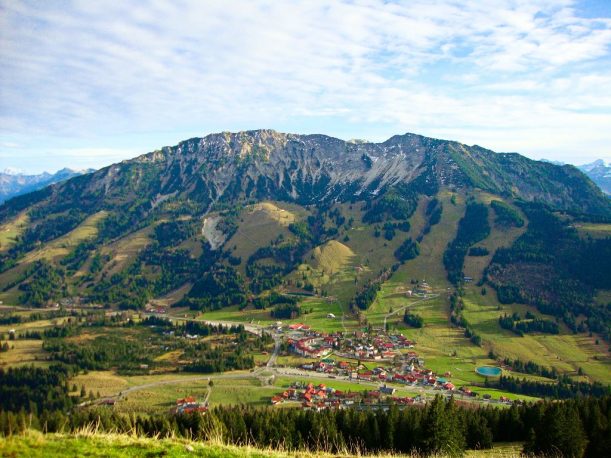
88, 83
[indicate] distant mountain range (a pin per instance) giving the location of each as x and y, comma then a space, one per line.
14, 183
598, 171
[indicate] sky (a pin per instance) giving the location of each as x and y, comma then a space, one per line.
88, 83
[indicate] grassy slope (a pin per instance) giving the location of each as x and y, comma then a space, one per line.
124, 250
23, 352
10, 230
565, 351
260, 224
35, 445
427, 266
61, 246
315, 314
499, 237
443, 347
51, 251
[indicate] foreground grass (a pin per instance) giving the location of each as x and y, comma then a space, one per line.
34, 444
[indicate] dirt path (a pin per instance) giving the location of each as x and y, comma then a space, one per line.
394, 312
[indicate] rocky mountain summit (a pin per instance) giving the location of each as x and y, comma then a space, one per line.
230, 167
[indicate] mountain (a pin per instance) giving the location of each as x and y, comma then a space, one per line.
599, 173
230, 167
14, 183
239, 218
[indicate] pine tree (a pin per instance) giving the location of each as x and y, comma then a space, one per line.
441, 432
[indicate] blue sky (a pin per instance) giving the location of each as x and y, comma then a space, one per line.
86, 83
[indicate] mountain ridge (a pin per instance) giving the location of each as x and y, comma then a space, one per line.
311, 168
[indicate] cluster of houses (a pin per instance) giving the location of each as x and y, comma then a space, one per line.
321, 397
188, 405
151, 308
357, 345
408, 374
368, 347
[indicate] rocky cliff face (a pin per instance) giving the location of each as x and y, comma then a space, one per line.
308, 169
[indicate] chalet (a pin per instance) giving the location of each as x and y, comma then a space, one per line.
191, 408
387, 390
365, 375
189, 405
187, 400
299, 327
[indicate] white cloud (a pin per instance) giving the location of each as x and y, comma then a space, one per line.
509, 74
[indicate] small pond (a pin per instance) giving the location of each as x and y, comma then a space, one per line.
489, 371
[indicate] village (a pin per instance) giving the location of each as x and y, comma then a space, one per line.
321, 397
350, 356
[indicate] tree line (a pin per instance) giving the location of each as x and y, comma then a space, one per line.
574, 428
